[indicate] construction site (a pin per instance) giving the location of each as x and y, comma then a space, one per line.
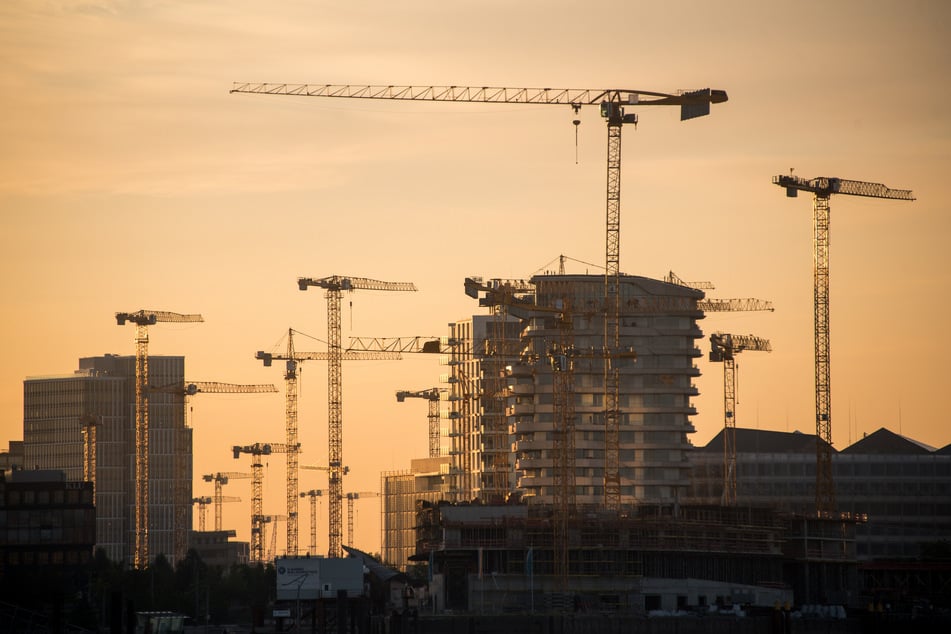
561, 477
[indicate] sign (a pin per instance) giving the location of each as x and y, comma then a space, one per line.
317, 578
297, 579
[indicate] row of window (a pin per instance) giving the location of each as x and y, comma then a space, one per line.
84, 533
43, 557
928, 468
40, 497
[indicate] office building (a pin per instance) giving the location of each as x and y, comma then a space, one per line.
402, 493
84, 422
898, 486
47, 537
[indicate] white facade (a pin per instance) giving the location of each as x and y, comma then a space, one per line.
657, 320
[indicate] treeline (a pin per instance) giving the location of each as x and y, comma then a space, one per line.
107, 594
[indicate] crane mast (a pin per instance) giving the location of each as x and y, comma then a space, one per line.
290, 418
313, 494
142, 320
822, 189
334, 287
612, 103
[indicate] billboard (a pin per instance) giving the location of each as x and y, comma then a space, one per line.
317, 578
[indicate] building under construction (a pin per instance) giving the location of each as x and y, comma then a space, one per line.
503, 558
526, 512
505, 388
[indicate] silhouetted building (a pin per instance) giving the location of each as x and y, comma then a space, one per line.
215, 549
12, 458
897, 492
47, 536
901, 486
497, 559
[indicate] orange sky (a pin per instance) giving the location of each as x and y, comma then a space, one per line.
130, 178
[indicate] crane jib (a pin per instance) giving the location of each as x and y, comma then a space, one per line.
692, 102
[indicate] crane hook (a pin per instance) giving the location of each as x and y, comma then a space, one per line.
577, 108
577, 123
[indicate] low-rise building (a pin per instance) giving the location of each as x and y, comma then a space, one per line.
47, 537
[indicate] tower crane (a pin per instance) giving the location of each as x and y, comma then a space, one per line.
359, 349
334, 286
290, 418
293, 358
186, 389
431, 395
257, 487
351, 497
220, 479
202, 503
313, 494
269, 519
142, 320
612, 104
723, 348
822, 189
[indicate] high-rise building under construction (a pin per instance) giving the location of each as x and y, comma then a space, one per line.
510, 363
59, 416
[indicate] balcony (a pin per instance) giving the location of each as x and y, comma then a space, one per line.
520, 409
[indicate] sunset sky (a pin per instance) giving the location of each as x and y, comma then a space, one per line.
130, 178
